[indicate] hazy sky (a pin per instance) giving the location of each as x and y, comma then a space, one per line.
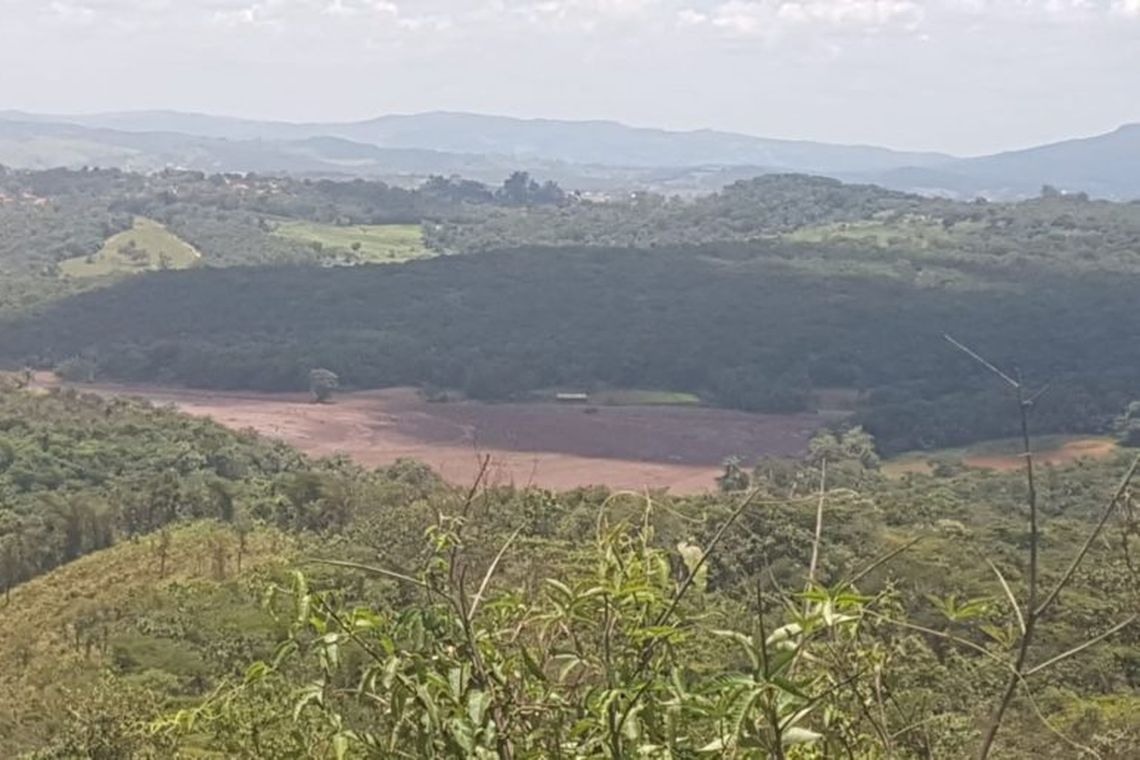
960, 75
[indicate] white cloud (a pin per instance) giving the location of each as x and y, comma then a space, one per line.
851, 12
967, 75
743, 17
770, 18
71, 12
361, 7
690, 17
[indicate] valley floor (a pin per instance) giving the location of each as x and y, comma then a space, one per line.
557, 447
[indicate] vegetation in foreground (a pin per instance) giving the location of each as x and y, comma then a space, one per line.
791, 615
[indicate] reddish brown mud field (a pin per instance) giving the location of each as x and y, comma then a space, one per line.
548, 445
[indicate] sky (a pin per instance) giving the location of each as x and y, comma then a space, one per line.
962, 76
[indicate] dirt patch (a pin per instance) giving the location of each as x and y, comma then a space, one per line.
553, 446
1057, 452
1067, 453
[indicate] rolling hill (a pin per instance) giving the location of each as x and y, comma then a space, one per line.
604, 143
587, 155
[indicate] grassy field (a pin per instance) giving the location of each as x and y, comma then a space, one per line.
361, 244
146, 246
625, 397
916, 232
635, 397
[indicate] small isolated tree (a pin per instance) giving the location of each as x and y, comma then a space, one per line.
1128, 425
734, 477
242, 526
161, 549
77, 369
322, 383
13, 569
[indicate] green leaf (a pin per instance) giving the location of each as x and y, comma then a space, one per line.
563, 591
787, 686
455, 683
340, 746
313, 693
532, 665
691, 555
797, 735
477, 702
256, 672
390, 668
746, 643
566, 663
464, 736
785, 634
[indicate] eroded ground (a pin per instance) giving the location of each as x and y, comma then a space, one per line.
553, 446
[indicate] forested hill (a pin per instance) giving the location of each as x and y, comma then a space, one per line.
79, 473
755, 297
750, 326
591, 155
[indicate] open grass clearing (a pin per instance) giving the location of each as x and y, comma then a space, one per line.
620, 397
360, 243
146, 246
913, 231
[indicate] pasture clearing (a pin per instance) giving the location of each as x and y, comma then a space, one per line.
620, 397
914, 231
636, 397
361, 244
146, 246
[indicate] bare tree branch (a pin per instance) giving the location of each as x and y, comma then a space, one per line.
973, 355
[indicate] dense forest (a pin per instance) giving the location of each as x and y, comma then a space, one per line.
645, 291
79, 472
282, 607
751, 326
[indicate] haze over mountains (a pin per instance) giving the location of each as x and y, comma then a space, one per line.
587, 155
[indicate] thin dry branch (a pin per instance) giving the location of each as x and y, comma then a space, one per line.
1034, 610
1121, 489
818, 523
973, 355
1082, 647
1009, 595
490, 572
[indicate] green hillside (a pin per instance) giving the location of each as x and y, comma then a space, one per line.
341, 613
160, 617
753, 297
146, 246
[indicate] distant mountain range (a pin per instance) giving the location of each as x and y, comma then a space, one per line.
587, 155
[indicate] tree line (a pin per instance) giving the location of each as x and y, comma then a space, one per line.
754, 327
